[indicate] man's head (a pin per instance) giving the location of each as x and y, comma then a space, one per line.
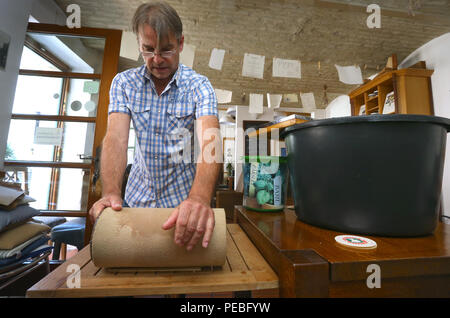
160, 31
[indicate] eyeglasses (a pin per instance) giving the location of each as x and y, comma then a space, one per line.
164, 54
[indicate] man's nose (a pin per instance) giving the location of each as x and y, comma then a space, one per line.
158, 59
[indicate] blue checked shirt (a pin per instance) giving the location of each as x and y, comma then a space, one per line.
164, 168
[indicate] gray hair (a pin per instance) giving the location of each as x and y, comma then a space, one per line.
161, 17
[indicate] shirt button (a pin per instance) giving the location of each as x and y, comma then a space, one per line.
156, 157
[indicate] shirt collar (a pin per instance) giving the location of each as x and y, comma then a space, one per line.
176, 78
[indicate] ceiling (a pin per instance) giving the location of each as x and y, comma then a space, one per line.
318, 33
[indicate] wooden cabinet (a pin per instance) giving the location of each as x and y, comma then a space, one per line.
411, 89
309, 262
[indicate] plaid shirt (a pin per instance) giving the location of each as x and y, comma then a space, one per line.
163, 124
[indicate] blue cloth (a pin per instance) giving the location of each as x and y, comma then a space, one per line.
16, 216
34, 249
164, 167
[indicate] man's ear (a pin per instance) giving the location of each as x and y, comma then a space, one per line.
181, 43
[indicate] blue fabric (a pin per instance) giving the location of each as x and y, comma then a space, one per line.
25, 251
28, 252
34, 245
16, 216
163, 168
71, 233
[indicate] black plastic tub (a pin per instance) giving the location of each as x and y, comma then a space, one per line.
374, 175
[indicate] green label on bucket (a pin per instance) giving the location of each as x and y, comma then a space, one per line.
265, 184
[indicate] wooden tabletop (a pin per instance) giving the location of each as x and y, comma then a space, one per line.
278, 124
279, 235
245, 269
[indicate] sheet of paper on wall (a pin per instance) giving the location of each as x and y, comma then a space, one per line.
286, 68
91, 87
129, 47
256, 104
274, 100
351, 75
253, 66
290, 98
223, 96
308, 101
187, 55
216, 59
48, 136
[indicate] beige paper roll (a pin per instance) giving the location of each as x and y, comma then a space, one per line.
133, 237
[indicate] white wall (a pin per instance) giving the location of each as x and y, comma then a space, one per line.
436, 55
13, 21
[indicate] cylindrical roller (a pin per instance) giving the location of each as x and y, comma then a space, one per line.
133, 237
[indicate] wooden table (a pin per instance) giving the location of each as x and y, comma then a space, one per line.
310, 263
245, 269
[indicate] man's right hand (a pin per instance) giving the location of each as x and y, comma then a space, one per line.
108, 201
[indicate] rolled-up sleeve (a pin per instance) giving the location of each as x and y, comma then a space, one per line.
118, 99
205, 99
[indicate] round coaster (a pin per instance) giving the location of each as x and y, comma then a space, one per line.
355, 241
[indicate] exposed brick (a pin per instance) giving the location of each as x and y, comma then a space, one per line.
331, 32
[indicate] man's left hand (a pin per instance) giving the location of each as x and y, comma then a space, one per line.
194, 220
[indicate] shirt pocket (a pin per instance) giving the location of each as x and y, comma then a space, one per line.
180, 126
141, 116
180, 117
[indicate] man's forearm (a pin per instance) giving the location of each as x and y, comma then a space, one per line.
205, 181
113, 164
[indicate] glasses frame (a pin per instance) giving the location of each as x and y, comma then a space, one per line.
164, 54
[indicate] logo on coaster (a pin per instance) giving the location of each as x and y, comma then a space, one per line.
355, 241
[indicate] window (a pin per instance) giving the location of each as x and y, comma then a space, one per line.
53, 122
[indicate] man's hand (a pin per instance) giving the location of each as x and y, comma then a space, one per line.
109, 201
194, 219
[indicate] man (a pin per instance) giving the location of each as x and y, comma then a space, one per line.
163, 98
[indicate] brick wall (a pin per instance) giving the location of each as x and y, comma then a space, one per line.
329, 32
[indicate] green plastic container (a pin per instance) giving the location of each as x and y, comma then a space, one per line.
265, 183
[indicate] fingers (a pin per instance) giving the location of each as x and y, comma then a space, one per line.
182, 221
114, 202
171, 221
204, 230
194, 223
208, 232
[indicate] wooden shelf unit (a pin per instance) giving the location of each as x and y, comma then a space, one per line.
411, 87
